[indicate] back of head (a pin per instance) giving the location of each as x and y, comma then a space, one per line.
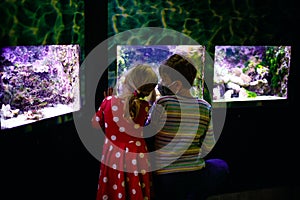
140, 81
187, 71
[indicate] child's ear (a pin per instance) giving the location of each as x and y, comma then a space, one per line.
178, 86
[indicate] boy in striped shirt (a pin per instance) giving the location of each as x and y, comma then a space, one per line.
184, 135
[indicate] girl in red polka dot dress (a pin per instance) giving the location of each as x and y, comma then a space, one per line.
125, 168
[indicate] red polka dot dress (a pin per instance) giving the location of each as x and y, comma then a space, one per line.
125, 168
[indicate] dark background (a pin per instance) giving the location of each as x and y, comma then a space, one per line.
48, 160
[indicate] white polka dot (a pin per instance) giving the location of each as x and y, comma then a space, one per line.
106, 125
143, 185
109, 97
133, 161
120, 195
113, 137
105, 197
138, 143
141, 155
123, 183
126, 150
119, 175
105, 179
121, 129
97, 119
116, 119
130, 141
133, 191
136, 173
110, 147
118, 154
114, 108
136, 126
146, 198
115, 187
114, 166
99, 108
106, 140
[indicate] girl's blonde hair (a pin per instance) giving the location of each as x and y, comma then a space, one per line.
140, 81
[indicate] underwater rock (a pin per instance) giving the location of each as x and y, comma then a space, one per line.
7, 112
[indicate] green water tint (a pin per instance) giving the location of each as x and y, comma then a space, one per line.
208, 22
42, 22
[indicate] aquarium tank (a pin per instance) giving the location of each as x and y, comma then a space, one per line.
154, 55
38, 82
251, 73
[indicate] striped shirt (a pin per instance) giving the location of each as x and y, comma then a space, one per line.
184, 133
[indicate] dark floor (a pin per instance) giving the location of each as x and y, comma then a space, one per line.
275, 193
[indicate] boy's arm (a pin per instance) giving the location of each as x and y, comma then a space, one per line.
209, 140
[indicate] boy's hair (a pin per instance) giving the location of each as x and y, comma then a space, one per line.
187, 71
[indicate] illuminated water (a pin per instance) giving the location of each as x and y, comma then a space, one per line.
208, 22
30, 22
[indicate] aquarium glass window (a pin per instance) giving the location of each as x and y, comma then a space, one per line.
247, 73
38, 82
154, 55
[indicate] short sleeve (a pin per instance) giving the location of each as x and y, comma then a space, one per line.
98, 118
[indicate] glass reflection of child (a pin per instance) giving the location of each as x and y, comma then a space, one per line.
125, 169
